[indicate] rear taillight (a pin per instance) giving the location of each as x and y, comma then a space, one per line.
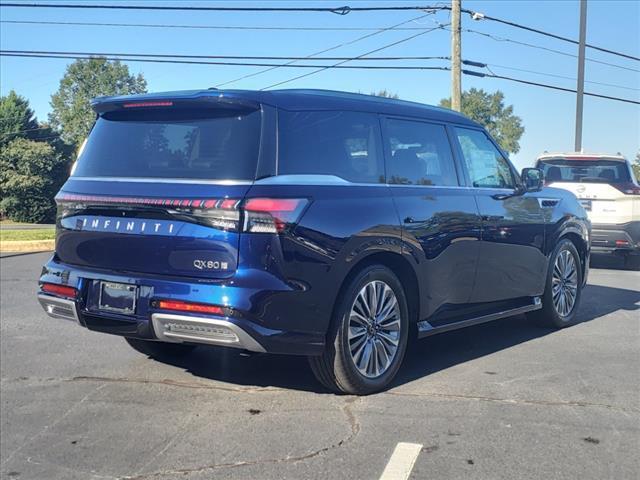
59, 290
272, 215
628, 188
261, 215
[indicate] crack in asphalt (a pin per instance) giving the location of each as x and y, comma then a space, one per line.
203, 386
354, 424
173, 383
513, 401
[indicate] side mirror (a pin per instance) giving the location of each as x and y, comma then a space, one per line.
532, 179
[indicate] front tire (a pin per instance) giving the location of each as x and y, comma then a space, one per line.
159, 349
563, 288
367, 338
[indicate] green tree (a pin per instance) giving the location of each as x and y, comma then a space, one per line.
636, 166
85, 79
31, 172
385, 93
489, 110
16, 118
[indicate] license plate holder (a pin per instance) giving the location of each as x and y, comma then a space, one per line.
586, 204
118, 297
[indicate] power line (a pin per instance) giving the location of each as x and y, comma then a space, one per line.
221, 57
207, 27
320, 52
553, 35
561, 76
540, 47
337, 10
239, 64
344, 10
340, 64
303, 28
545, 85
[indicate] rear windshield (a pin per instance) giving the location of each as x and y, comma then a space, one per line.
180, 144
578, 171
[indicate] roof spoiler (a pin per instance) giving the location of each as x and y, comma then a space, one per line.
138, 102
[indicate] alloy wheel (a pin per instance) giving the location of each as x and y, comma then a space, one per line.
374, 329
564, 286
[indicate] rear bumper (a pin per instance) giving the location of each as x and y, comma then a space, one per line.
620, 238
244, 330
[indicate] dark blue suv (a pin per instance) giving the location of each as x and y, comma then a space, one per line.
317, 223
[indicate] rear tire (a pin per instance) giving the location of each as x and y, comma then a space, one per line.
632, 262
563, 289
159, 349
367, 338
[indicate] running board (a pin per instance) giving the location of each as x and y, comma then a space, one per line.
425, 328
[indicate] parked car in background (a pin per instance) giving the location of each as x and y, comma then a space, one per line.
609, 192
325, 224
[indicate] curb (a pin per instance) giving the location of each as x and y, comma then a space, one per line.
27, 245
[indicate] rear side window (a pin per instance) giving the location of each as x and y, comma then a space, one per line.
420, 154
181, 144
485, 164
344, 144
579, 171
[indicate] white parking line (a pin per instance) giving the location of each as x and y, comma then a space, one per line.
401, 462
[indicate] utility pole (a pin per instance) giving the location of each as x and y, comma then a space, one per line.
456, 89
580, 87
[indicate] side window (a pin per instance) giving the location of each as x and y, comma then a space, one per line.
420, 154
486, 166
345, 144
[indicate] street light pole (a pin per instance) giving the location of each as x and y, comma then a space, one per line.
580, 87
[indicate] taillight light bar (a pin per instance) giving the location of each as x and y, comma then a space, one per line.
201, 203
261, 215
192, 307
59, 290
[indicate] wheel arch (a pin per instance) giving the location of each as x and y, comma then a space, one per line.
400, 266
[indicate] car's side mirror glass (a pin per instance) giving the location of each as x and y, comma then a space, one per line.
532, 179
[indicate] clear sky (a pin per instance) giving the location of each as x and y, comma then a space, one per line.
548, 116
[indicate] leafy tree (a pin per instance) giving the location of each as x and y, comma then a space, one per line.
31, 173
385, 93
84, 80
636, 166
16, 118
489, 110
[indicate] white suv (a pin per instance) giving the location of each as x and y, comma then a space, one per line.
608, 191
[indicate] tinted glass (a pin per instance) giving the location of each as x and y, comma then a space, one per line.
345, 144
575, 171
420, 154
198, 144
486, 166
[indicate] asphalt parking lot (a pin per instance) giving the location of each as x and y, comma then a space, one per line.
503, 400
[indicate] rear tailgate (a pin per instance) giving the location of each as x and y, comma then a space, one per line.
604, 203
167, 229
157, 186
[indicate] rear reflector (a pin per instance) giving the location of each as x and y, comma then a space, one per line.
180, 306
272, 215
59, 290
621, 243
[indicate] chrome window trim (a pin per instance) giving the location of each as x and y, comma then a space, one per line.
162, 180
300, 180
